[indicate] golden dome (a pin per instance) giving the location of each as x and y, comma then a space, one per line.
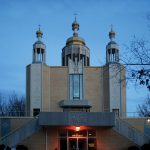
76, 40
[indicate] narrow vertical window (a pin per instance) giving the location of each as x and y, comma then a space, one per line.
76, 86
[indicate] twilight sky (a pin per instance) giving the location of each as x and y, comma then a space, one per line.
19, 20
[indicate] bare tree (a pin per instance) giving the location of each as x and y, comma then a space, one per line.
3, 105
13, 105
16, 105
137, 61
144, 109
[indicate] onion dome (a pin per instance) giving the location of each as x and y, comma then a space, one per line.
75, 27
111, 34
75, 39
112, 43
39, 33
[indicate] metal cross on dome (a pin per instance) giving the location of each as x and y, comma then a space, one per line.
75, 15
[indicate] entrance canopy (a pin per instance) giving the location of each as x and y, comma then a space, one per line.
104, 119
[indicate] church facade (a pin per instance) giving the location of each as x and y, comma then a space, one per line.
75, 85
74, 106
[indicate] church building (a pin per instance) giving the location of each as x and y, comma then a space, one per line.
75, 86
74, 106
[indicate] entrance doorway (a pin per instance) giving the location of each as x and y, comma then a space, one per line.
77, 140
77, 144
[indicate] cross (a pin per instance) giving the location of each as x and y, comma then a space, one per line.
75, 14
39, 27
111, 27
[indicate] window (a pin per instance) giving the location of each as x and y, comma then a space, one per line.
76, 86
36, 111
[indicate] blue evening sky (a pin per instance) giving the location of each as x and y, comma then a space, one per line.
19, 20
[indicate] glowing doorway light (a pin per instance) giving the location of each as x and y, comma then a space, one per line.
77, 128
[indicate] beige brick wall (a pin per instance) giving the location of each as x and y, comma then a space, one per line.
55, 87
108, 139
45, 137
46, 88
106, 95
52, 139
37, 141
93, 85
58, 87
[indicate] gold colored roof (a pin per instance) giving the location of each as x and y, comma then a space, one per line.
75, 40
39, 33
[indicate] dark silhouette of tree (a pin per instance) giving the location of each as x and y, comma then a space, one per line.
8, 148
21, 147
3, 106
12, 105
145, 147
133, 148
144, 108
16, 105
2, 147
137, 60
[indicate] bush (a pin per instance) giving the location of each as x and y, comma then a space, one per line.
8, 148
2, 146
133, 148
21, 147
145, 147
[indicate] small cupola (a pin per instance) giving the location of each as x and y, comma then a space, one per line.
39, 49
112, 49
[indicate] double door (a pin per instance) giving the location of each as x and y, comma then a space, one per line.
77, 144
77, 140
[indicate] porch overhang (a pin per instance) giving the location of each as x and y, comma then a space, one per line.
103, 119
75, 104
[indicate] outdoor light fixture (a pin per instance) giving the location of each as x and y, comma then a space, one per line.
148, 120
77, 128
